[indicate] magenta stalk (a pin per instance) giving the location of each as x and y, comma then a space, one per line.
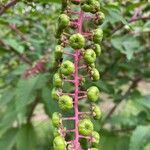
76, 79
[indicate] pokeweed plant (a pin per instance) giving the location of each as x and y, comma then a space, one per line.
80, 45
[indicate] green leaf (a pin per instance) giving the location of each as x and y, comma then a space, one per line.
16, 45
110, 141
26, 138
126, 44
8, 139
140, 137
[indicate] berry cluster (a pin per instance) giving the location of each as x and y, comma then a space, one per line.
75, 55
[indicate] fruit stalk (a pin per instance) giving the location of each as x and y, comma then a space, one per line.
76, 79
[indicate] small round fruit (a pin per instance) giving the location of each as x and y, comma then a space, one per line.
56, 119
85, 127
55, 95
89, 56
65, 102
58, 52
96, 112
95, 74
100, 18
85, 7
97, 35
59, 143
92, 65
95, 138
63, 21
56, 132
97, 49
67, 68
95, 6
93, 148
93, 93
57, 81
77, 41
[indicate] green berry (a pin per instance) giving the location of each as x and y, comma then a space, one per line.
55, 95
77, 41
97, 49
92, 65
85, 7
100, 18
90, 6
97, 35
56, 119
85, 127
59, 143
95, 6
63, 21
93, 148
56, 132
89, 56
65, 102
95, 138
95, 74
93, 93
58, 52
67, 68
96, 111
57, 81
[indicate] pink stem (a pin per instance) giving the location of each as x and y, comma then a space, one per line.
76, 79
71, 81
84, 113
68, 118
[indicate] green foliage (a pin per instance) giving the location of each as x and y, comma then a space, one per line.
27, 36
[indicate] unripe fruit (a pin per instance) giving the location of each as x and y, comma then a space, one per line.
85, 127
55, 95
96, 112
92, 65
85, 7
57, 81
65, 102
67, 68
63, 21
100, 18
77, 41
95, 6
58, 52
56, 119
90, 6
97, 35
97, 49
95, 138
56, 132
93, 148
89, 56
59, 143
95, 74
93, 93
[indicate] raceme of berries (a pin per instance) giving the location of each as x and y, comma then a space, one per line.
75, 54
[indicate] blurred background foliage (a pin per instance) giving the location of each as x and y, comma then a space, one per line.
27, 41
